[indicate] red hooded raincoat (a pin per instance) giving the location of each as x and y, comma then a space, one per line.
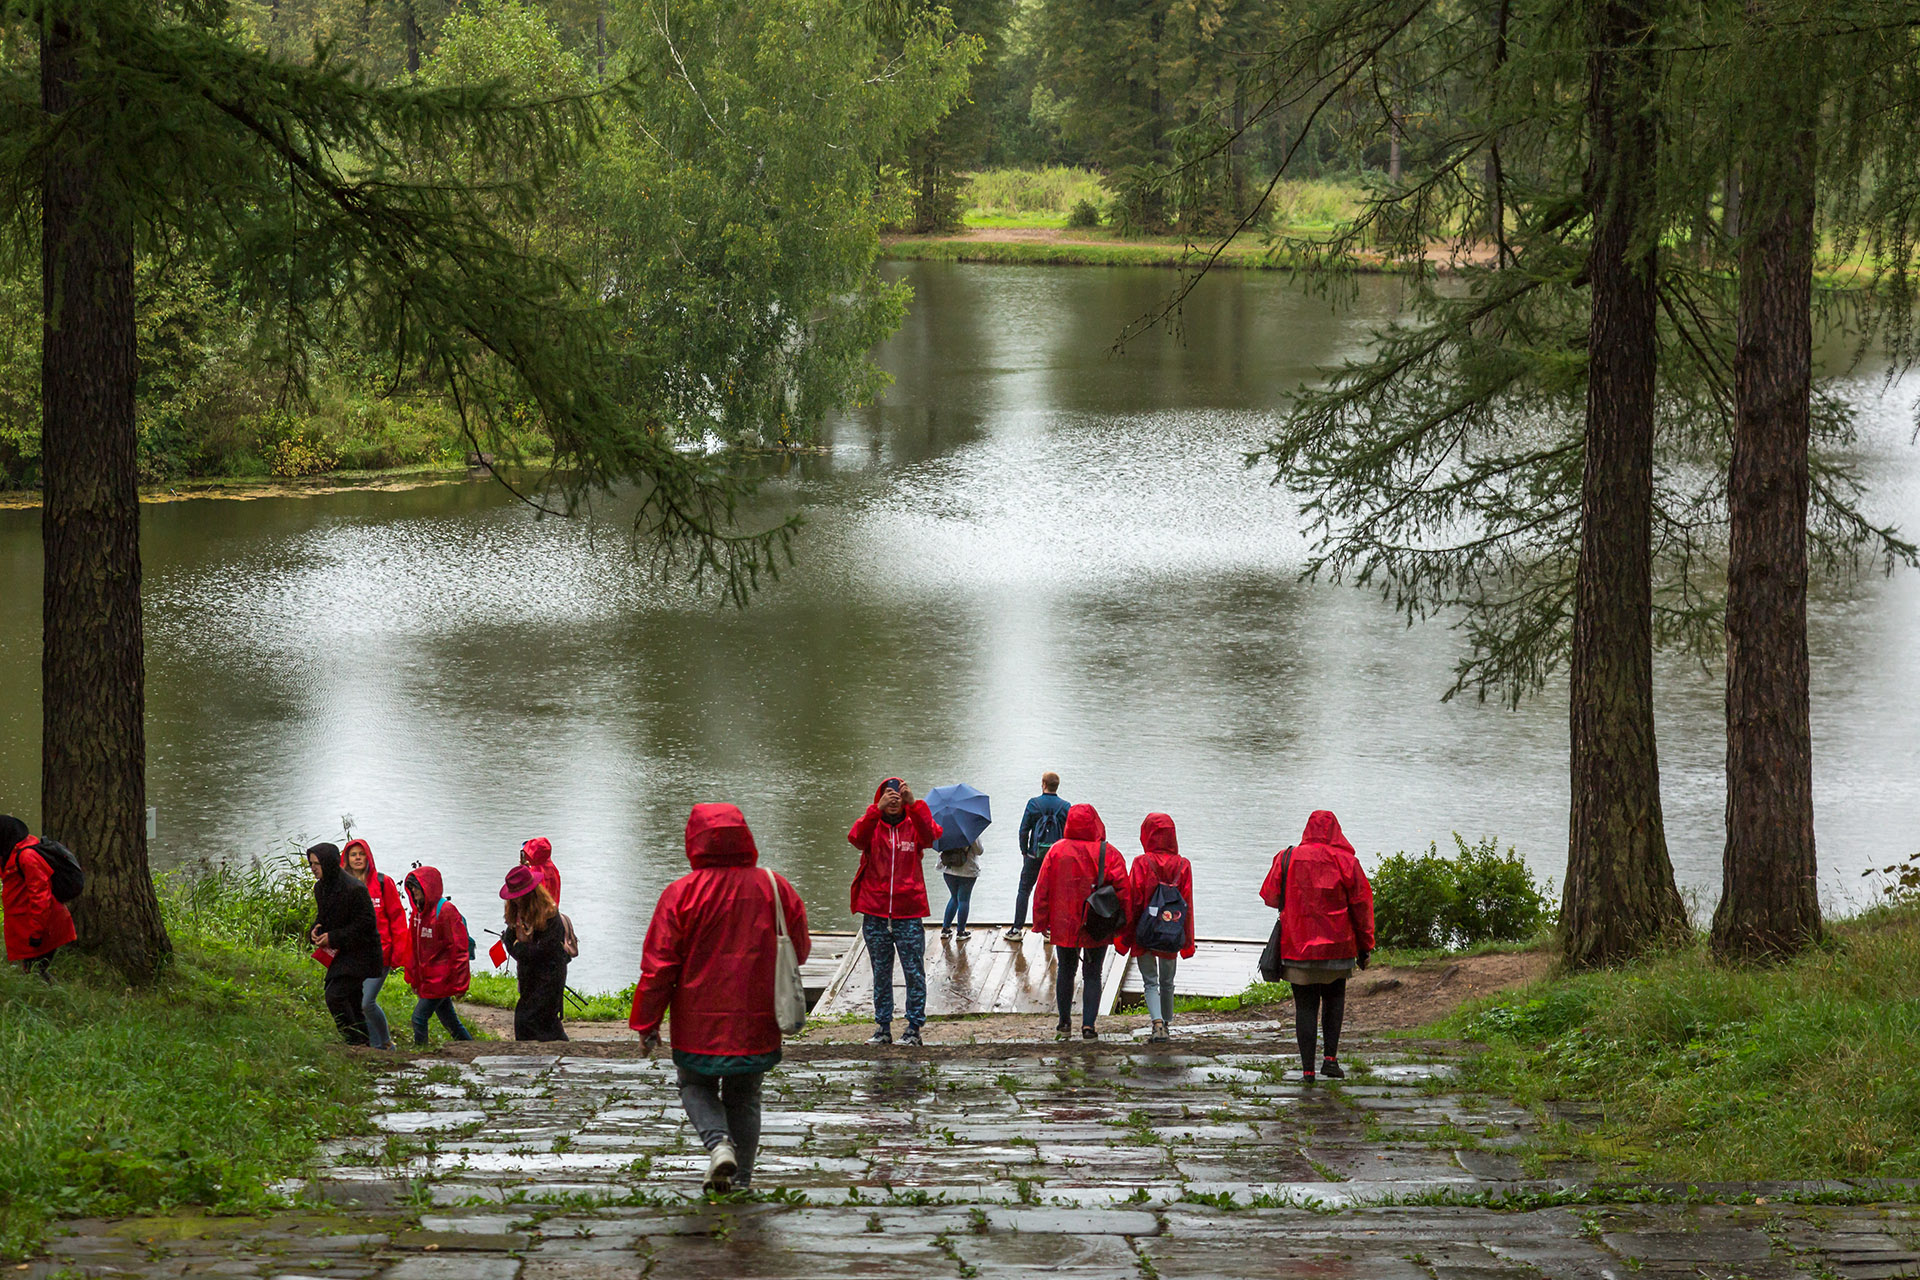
1067, 877
892, 882
538, 854
1160, 864
438, 940
389, 909
37, 922
1329, 908
710, 949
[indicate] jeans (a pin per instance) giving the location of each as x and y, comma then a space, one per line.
1156, 975
1322, 1002
1029, 876
1066, 960
379, 1034
426, 1006
884, 937
961, 889
347, 1004
726, 1109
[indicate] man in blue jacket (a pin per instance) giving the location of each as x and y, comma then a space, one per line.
1040, 826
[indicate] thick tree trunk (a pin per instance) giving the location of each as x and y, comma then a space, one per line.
412, 21
1620, 894
93, 758
1769, 904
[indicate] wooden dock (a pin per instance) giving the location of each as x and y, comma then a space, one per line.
988, 974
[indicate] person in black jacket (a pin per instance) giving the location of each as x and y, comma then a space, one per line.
536, 937
344, 924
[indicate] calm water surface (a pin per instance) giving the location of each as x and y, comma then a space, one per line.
1032, 555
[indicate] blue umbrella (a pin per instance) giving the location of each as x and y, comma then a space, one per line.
962, 813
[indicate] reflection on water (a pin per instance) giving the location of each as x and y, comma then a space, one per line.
1034, 554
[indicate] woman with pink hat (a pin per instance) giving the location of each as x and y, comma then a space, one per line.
536, 937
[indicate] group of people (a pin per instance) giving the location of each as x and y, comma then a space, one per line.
365, 927
708, 966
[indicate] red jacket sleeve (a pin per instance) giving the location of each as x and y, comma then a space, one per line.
399, 932
1129, 901
924, 827
660, 961
1042, 891
1270, 890
1360, 905
37, 878
796, 920
1186, 891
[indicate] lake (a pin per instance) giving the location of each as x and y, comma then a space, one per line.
1032, 554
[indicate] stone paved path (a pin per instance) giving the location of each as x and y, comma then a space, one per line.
1111, 1160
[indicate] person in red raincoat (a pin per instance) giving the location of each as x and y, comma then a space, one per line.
709, 960
441, 950
396, 937
538, 854
1067, 876
1326, 932
37, 923
890, 897
1159, 864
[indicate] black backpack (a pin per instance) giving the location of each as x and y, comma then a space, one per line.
1104, 915
1047, 829
1163, 924
66, 879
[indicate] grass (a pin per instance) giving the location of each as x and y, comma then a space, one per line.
1030, 196
205, 1089
1708, 1073
501, 991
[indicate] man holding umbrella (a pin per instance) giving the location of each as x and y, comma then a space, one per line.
890, 896
963, 813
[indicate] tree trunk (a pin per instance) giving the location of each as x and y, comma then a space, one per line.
412, 22
93, 757
1620, 894
1770, 904
1393, 147
600, 39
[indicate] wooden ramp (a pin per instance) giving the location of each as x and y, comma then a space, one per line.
829, 949
988, 974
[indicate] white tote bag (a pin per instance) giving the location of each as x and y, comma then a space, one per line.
789, 996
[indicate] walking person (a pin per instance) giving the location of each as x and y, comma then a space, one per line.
537, 853
536, 938
1075, 865
708, 963
1042, 824
441, 963
346, 937
37, 922
390, 917
890, 896
1160, 887
1326, 932
960, 868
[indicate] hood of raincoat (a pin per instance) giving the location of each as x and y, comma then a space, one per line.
717, 836
373, 868
1083, 823
328, 855
12, 832
1156, 834
425, 887
1324, 828
538, 850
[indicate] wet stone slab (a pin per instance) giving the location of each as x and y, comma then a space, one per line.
1206, 1160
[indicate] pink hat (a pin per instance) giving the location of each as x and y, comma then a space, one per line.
521, 881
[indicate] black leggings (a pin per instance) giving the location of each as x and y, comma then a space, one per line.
1067, 959
348, 1010
1321, 1002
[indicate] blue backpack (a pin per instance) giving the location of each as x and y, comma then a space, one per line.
1047, 830
1163, 924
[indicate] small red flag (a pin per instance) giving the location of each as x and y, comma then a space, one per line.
498, 954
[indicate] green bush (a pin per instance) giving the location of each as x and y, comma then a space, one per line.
1085, 213
1478, 895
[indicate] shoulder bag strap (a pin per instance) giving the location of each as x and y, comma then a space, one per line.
1286, 860
779, 910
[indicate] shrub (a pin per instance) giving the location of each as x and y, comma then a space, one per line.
1085, 213
1016, 193
1478, 895
299, 454
262, 904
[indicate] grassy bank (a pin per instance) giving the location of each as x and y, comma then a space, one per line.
204, 1090
1705, 1073
501, 991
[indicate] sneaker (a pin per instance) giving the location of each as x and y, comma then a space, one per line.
1331, 1070
1088, 1033
1016, 933
883, 1036
910, 1036
722, 1164
946, 934
1159, 1034
964, 933
1062, 1031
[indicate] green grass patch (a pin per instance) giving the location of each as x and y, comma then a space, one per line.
502, 991
206, 1089
1708, 1073
1013, 195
